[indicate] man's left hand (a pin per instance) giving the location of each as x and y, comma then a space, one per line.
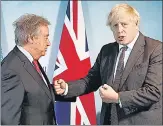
108, 94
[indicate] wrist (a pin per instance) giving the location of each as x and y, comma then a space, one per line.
117, 98
119, 101
65, 89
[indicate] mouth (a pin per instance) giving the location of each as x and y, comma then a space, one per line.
121, 38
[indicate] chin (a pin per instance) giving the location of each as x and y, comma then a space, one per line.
43, 54
123, 43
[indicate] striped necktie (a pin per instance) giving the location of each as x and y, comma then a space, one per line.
117, 80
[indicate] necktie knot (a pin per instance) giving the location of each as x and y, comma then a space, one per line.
35, 62
124, 48
36, 65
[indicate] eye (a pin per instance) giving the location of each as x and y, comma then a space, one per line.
115, 25
124, 24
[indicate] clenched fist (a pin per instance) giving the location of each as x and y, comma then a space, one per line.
107, 94
60, 86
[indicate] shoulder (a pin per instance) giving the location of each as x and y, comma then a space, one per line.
10, 61
109, 48
153, 47
152, 43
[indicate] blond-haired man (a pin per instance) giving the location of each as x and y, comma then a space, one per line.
27, 95
127, 72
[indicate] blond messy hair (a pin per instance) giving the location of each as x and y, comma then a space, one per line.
121, 9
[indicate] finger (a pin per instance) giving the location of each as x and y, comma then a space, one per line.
105, 86
60, 81
101, 94
58, 93
57, 87
61, 92
58, 90
63, 85
56, 82
103, 100
101, 89
106, 100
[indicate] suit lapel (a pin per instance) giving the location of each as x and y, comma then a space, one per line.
111, 63
136, 52
47, 80
31, 70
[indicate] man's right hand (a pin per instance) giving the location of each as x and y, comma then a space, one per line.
60, 86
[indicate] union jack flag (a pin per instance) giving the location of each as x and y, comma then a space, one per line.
73, 63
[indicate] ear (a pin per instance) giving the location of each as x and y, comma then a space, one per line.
136, 23
30, 39
137, 27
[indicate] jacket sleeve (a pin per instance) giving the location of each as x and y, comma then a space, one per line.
150, 92
12, 93
87, 84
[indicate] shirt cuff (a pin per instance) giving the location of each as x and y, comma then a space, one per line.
119, 102
66, 90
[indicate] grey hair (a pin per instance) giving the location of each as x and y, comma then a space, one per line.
27, 25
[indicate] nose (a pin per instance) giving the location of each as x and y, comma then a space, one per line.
48, 43
120, 28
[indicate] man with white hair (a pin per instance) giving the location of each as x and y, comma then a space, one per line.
27, 96
127, 72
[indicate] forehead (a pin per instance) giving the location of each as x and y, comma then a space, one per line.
118, 18
44, 30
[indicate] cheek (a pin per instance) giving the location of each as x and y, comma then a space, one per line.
43, 43
115, 34
128, 33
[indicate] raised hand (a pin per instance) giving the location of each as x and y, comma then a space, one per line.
60, 86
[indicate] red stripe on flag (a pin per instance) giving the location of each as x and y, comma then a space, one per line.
78, 117
89, 106
75, 16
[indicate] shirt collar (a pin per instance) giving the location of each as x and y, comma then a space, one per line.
26, 53
131, 44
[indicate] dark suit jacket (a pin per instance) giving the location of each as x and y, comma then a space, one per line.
26, 99
141, 85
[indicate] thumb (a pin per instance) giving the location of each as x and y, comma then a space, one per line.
56, 82
105, 86
60, 81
